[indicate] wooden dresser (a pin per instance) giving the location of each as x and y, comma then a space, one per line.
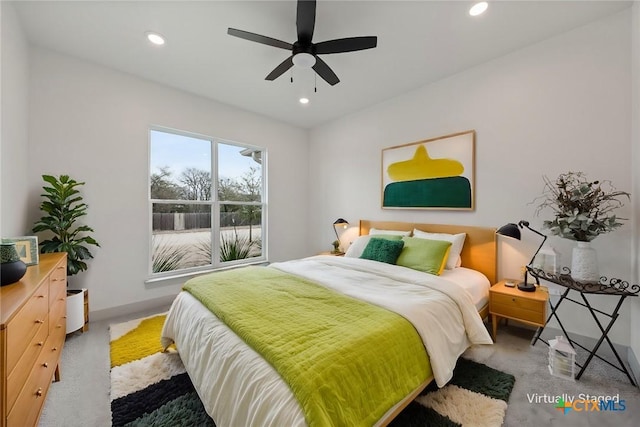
32, 334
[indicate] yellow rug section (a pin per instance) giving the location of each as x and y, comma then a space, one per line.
140, 342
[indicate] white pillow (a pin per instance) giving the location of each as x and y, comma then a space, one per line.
357, 247
394, 232
457, 241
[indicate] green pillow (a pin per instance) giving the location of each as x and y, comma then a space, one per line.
383, 250
425, 255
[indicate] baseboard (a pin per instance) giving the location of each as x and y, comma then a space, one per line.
589, 342
633, 364
162, 303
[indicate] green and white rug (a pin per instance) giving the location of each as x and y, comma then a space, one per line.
151, 388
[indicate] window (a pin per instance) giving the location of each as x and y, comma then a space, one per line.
207, 203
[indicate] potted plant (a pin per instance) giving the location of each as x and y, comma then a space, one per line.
582, 210
63, 208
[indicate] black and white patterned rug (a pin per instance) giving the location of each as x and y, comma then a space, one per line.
151, 388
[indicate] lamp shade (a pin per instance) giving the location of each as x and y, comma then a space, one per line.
510, 230
341, 221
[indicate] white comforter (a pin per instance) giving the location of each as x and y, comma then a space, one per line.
238, 387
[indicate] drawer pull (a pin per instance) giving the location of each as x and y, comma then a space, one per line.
39, 321
54, 349
40, 343
513, 299
45, 365
39, 392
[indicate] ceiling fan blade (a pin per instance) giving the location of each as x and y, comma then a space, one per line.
349, 44
280, 69
259, 39
325, 72
306, 20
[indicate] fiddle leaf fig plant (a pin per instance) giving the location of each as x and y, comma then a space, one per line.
63, 207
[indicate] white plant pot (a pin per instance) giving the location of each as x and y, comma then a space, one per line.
75, 310
584, 263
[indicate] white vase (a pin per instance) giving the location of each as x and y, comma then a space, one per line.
584, 263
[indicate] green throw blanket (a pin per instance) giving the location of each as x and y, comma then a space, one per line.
346, 361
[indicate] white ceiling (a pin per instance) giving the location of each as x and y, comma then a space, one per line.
418, 42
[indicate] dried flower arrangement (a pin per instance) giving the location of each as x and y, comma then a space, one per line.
582, 208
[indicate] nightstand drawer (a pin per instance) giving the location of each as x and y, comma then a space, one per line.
517, 303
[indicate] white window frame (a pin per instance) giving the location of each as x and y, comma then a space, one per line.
216, 264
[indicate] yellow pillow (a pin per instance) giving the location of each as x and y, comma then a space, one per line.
425, 255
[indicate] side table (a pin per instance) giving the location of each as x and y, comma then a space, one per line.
615, 288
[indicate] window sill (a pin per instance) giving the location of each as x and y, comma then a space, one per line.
191, 274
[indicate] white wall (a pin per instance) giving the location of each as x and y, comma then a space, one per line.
92, 123
14, 92
635, 160
560, 105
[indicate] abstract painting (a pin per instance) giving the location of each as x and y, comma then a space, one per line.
436, 173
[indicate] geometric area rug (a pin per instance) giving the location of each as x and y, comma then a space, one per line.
152, 388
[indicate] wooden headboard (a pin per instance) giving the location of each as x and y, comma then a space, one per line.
478, 253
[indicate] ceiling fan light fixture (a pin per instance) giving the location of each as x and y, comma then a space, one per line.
155, 38
304, 60
478, 8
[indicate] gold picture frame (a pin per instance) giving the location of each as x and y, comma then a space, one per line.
436, 173
27, 248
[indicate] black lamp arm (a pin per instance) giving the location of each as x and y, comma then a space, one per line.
522, 224
526, 224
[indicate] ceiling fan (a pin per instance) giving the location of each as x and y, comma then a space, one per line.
304, 52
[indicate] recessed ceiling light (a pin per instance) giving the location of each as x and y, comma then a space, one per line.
478, 8
304, 100
155, 38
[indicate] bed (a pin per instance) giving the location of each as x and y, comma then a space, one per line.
238, 386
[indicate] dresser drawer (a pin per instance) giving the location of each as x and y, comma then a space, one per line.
23, 367
25, 325
26, 410
57, 289
57, 336
59, 273
58, 312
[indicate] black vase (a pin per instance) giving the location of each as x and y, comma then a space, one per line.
11, 266
11, 272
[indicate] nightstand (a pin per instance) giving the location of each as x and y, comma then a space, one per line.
332, 253
512, 303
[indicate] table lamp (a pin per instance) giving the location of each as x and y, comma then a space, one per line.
513, 231
342, 224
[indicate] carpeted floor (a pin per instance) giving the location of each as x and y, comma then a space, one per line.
151, 388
